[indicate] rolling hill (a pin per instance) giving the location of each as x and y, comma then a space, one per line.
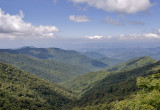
85, 82
110, 61
20, 90
102, 58
48, 70
117, 86
59, 55
93, 55
132, 64
147, 97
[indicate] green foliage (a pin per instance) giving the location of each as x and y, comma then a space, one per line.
49, 70
110, 61
116, 86
148, 98
59, 55
20, 90
132, 64
83, 83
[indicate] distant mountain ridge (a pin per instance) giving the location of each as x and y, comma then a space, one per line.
132, 64
48, 70
59, 55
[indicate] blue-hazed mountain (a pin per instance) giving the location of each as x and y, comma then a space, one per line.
59, 55
21, 90
126, 53
93, 55
48, 70
102, 58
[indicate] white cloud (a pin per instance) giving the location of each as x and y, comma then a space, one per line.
13, 27
120, 6
111, 21
145, 36
152, 35
94, 37
78, 18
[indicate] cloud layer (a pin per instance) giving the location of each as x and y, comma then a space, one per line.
13, 27
145, 36
79, 18
120, 6
94, 37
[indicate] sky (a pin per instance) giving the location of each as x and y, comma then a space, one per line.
70, 23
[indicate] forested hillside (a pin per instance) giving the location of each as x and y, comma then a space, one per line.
59, 55
83, 83
117, 86
132, 64
49, 70
147, 97
20, 90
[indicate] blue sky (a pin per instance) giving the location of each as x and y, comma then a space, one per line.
43, 21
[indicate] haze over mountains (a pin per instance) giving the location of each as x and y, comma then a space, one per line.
79, 55
84, 79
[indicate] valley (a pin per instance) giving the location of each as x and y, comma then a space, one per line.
47, 82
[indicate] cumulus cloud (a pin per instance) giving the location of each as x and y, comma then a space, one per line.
13, 27
120, 6
111, 21
79, 18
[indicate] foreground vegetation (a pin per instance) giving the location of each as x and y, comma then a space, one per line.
147, 98
20, 90
116, 86
123, 88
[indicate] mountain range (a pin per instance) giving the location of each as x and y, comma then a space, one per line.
55, 79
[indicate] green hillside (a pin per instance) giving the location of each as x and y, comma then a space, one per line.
147, 98
49, 70
83, 83
20, 90
132, 64
59, 55
110, 61
117, 86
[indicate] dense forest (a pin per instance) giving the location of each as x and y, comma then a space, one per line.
83, 83
28, 81
59, 55
21, 90
49, 70
146, 98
